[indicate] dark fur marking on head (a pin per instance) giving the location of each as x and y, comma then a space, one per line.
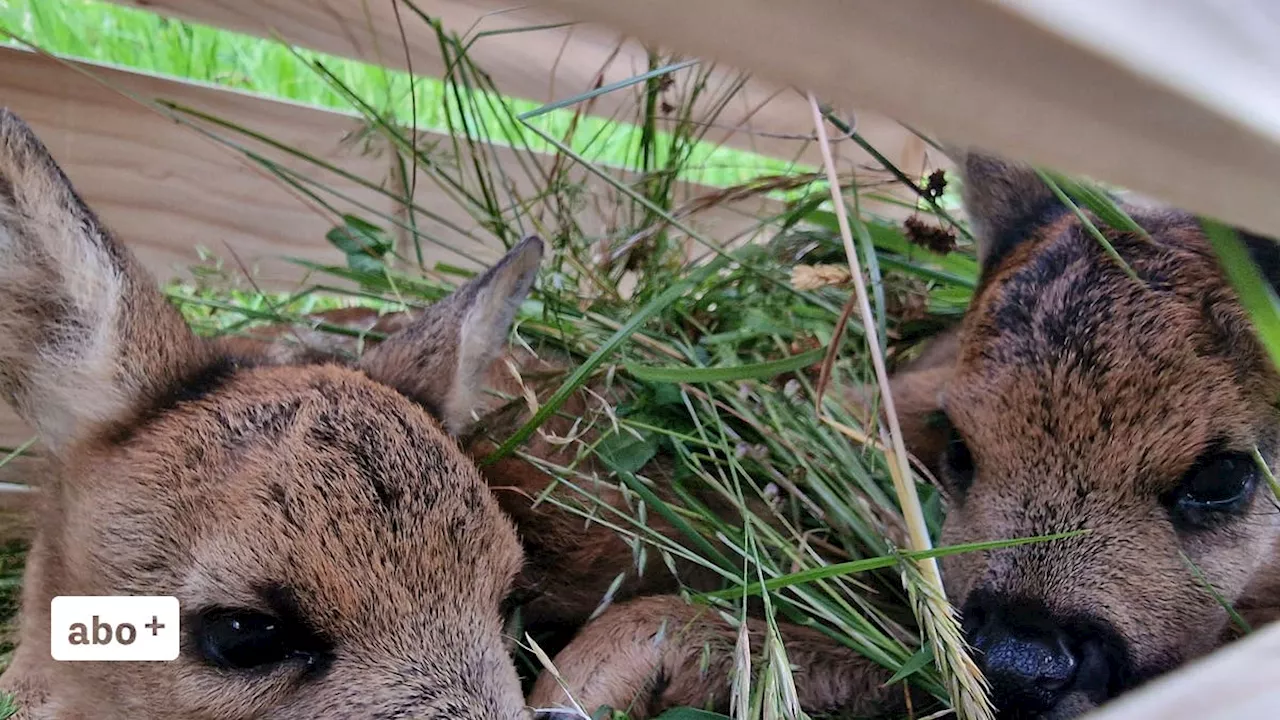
196, 386
1069, 330
260, 423
409, 394
1022, 230
360, 443
384, 458
281, 498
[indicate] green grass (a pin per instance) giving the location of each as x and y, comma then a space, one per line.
140, 40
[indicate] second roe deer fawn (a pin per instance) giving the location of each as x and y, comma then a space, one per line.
1072, 397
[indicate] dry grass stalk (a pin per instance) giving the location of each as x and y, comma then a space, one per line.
936, 616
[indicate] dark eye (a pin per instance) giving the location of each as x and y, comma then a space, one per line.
1218, 485
246, 640
957, 462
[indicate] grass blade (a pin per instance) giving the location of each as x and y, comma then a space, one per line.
877, 563
1256, 294
753, 371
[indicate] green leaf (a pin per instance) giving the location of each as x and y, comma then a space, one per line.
625, 452
364, 244
1256, 294
8, 706
913, 664
750, 371
667, 395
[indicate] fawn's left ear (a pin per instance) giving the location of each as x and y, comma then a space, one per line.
444, 355
86, 339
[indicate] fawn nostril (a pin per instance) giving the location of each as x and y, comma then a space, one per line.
1094, 670
1028, 659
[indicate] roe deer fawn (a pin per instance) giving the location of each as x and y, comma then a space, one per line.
334, 551
1071, 397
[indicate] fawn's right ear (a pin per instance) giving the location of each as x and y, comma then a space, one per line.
86, 340
1006, 202
444, 355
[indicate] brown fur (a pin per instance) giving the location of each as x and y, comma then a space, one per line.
1084, 397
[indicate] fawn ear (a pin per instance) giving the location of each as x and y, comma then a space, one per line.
86, 339
1006, 201
444, 355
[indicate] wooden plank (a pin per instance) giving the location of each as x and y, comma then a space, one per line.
547, 64
1198, 126
162, 187
1238, 681
166, 189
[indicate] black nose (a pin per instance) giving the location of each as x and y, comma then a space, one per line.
1031, 660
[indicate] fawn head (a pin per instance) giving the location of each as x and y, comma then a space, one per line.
1083, 399
334, 551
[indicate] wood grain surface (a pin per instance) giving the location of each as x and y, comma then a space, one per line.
530, 54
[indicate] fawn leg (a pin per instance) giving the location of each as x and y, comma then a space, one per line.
659, 652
